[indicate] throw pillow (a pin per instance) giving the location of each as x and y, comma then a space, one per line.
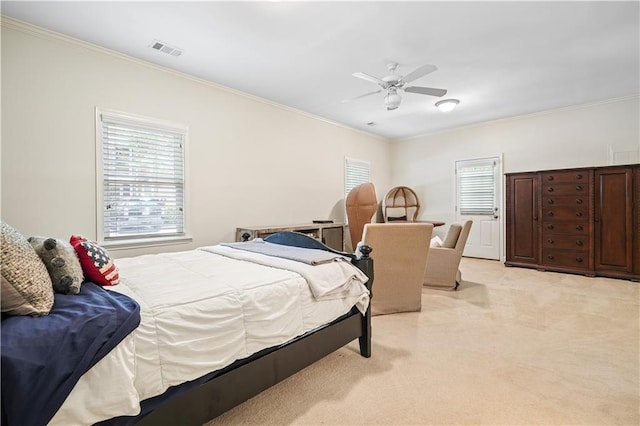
13, 302
26, 285
96, 263
436, 242
61, 262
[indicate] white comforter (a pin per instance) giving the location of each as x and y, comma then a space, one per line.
201, 311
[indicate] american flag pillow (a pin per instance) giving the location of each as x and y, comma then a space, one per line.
97, 266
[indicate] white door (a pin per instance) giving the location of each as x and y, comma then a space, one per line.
478, 197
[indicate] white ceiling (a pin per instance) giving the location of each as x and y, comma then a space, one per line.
500, 59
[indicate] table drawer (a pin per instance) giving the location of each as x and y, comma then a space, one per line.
565, 213
573, 227
567, 258
569, 242
565, 200
573, 176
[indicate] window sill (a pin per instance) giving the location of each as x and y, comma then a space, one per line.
145, 242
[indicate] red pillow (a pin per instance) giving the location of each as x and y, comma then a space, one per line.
96, 263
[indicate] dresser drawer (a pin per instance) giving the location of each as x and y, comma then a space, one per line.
568, 242
581, 189
573, 227
565, 200
573, 176
566, 258
552, 213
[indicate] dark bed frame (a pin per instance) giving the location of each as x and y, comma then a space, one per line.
246, 378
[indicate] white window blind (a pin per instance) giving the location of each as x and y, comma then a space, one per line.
143, 178
356, 172
476, 187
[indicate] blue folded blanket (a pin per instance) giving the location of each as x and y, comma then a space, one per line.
44, 357
304, 255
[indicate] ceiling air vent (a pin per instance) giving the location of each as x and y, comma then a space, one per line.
165, 48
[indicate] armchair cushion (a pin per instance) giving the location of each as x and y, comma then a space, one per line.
451, 238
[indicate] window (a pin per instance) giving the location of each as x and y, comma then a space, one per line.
356, 172
141, 178
476, 186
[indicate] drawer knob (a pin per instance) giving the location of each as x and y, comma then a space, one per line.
550, 257
578, 176
579, 201
550, 214
550, 226
579, 214
578, 187
550, 189
579, 227
579, 259
549, 201
549, 177
579, 243
550, 241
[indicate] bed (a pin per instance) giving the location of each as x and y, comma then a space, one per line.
160, 374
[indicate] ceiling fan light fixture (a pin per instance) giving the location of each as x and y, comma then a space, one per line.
447, 105
392, 100
393, 83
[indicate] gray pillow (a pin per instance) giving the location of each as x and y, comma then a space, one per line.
452, 236
26, 285
62, 263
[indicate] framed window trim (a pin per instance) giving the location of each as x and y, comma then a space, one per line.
356, 172
476, 186
146, 240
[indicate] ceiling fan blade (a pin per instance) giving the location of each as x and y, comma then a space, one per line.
368, 77
361, 96
420, 72
425, 91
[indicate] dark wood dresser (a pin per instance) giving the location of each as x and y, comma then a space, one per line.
581, 221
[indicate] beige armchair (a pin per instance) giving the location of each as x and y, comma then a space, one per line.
442, 265
400, 256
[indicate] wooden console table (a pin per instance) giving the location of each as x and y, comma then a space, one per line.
331, 234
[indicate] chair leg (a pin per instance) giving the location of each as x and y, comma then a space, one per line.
458, 279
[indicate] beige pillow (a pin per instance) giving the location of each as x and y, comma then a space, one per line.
452, 236
26, 285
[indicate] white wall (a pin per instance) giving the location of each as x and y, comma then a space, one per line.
571, 137
250, 162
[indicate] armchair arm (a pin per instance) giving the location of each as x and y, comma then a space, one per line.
442, 268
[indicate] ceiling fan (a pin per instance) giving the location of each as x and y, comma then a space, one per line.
394, 82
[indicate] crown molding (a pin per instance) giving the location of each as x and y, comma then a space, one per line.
34, 30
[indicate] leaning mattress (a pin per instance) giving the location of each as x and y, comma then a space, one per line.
200, 311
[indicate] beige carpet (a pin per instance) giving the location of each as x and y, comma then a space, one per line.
512, 347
